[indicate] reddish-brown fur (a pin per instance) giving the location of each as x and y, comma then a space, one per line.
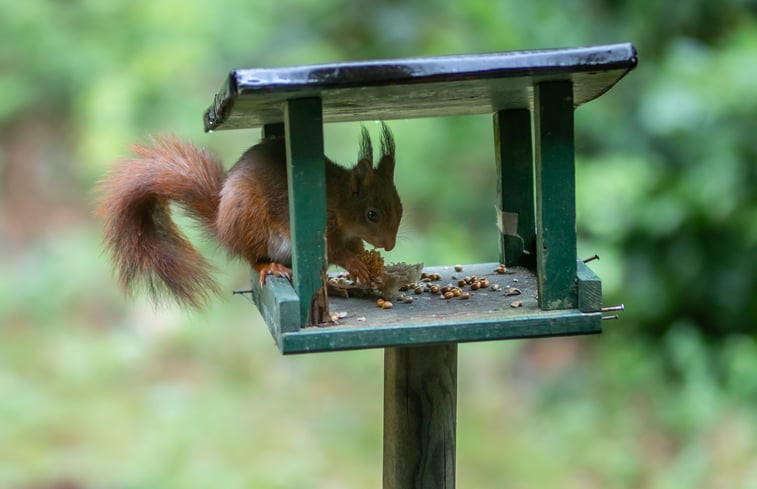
145, 244
246, 210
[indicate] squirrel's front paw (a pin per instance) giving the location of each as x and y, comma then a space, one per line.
359, 272
272, 268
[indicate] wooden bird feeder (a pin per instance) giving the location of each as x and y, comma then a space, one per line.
532, 96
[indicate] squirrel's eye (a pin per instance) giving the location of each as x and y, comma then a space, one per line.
372, 215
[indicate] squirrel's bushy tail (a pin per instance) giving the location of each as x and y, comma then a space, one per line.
146, 246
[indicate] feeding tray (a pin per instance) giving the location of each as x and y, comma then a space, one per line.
488, 314
532, 96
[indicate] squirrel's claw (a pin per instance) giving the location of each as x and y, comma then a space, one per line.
273, 268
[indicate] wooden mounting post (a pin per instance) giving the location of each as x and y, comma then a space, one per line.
420, 408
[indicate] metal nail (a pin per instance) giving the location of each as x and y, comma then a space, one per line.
591, 258
613, 308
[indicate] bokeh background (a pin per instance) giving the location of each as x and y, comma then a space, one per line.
99, 390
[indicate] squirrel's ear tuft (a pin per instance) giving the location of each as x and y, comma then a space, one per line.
386, 164
366, 148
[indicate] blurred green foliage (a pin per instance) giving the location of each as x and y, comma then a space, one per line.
97, 390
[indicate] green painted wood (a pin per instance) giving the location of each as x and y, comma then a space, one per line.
515, 187
555, 194
589, 288
278, 304
274, 130
558, 323
306, 173
420, 409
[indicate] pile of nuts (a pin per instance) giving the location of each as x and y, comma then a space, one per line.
450, 291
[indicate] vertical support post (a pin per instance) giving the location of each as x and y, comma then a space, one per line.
555, 194
306, 175
515, 187
273, 130
420, 408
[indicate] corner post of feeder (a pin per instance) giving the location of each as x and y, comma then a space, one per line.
306, 175
554, 161
515, 187
273, 130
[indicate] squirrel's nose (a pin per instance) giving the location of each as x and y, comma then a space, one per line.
389, 244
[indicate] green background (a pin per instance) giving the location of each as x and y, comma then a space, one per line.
99, 390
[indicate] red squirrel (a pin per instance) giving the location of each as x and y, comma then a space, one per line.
246, 210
